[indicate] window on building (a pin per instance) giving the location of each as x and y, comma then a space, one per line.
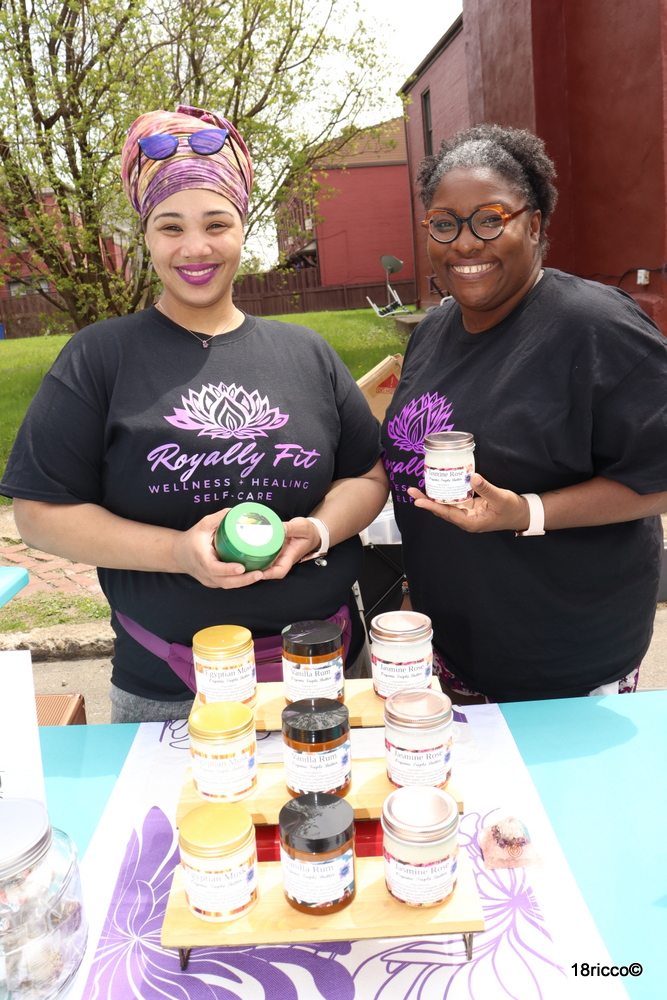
17, 288
428, 125
15, 242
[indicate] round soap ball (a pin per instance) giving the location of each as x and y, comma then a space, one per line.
250, 534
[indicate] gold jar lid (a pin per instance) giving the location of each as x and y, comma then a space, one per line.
418, 708
420, 814
222, 640
401, 626
220, 721
216, 830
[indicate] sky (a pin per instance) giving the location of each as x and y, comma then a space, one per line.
410, 29
413, 27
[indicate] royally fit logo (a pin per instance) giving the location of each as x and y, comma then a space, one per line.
229, 413
427, 415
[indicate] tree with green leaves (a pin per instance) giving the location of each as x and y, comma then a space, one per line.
75, 73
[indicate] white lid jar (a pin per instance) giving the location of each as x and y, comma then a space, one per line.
418, 738
449, 462
43, 929
420, 845
401, 651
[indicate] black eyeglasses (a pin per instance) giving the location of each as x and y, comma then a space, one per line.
205, 142
486, 223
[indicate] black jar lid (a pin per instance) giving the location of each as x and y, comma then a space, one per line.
312, 638
316, 822
315, 720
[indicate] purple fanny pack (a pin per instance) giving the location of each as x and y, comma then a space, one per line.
268, 651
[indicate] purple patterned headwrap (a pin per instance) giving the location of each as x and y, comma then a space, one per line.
185, 169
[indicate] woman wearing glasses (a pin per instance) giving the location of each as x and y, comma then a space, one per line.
148, 427
544, 585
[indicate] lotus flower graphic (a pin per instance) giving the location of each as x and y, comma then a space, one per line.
426, 415
515, 957
227, 411
130, 963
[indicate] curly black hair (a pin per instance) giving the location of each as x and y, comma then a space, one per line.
515, 154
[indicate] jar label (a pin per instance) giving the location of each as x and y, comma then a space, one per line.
314, 680
219, 680
420, 885
389, 676
254, 529
448, 485
318, 883
221, 895
321, 771
431, 766
224, 776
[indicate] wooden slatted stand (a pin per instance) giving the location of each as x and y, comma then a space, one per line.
364, 706
373, 913
370, 787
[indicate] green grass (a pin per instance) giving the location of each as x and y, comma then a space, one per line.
359, 337
44, 610
23, 364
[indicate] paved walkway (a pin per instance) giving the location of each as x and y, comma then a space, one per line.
49, 574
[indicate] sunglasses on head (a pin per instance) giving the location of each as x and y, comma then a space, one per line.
205, 142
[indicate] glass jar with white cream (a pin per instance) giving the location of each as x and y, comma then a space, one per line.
418, 738
401, 651
449, 462
420, 845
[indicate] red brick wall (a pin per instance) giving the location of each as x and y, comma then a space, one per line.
500, 60
617, 135
446, 79
591, 79
367, 216
588, 77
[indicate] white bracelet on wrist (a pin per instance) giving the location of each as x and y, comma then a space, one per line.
324, 539
536, 522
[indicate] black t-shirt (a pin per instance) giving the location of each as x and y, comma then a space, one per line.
135, 416
571, 385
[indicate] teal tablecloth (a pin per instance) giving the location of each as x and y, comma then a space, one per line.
600, 767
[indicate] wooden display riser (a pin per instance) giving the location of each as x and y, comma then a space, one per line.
370, 787
372, 914
364, 706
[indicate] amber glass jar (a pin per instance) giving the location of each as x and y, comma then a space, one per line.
313, 661
317, 753
317, 853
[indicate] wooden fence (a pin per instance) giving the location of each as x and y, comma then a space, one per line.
28, 316
271, 294
278, 292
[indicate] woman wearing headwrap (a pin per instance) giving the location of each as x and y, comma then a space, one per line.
149, 427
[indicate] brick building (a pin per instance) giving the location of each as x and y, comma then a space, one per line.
590, 78
362, 210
